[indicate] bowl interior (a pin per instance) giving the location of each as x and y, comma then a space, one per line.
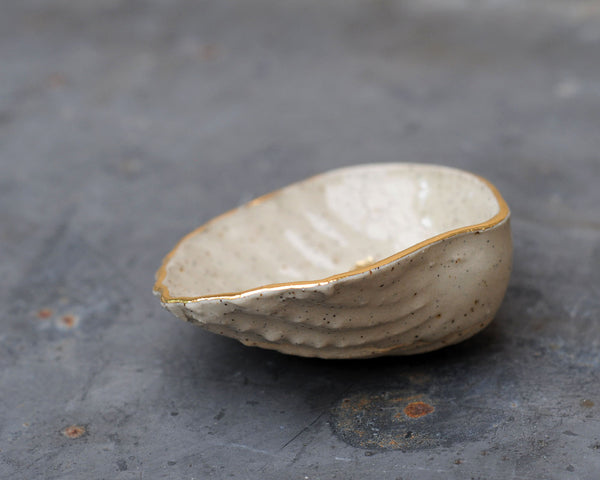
326, 225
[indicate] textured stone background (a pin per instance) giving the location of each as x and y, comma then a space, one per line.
126, 123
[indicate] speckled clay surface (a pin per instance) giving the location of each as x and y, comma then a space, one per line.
380, 259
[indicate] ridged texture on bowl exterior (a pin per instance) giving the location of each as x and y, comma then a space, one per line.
438, 295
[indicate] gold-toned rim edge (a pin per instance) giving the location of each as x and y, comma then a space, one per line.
163, 291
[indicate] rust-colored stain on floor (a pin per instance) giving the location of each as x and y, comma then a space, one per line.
382, 421
411, 418
68, 321
44, 313
74, 431
418, 409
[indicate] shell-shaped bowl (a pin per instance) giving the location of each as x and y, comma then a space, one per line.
364, 261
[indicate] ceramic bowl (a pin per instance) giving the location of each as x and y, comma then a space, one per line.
364, 261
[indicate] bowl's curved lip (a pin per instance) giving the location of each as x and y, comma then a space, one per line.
162, 290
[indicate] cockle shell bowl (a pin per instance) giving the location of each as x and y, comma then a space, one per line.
363, 261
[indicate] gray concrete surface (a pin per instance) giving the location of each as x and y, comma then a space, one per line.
126, 123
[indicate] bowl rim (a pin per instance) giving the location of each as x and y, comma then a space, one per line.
161, 290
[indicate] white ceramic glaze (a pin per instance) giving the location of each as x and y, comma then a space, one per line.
364, 261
